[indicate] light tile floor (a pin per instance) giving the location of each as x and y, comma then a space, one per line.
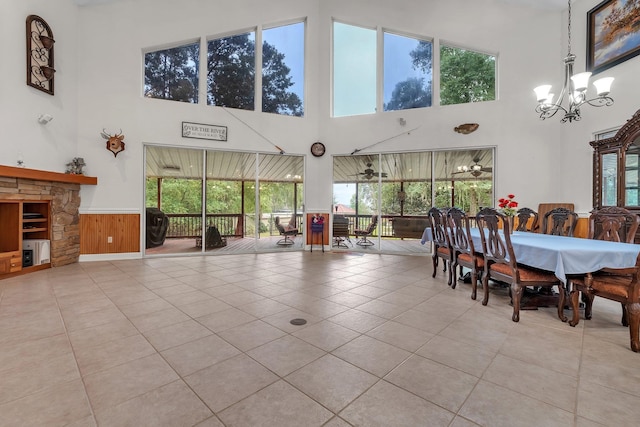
207, 341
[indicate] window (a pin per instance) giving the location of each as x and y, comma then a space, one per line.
354, 70
231, 71
283, 70
466, 76
407, 72
172, 73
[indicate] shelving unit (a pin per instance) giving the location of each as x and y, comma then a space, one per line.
19, 220
10, 242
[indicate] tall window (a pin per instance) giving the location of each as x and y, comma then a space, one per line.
466, 76
231, 71
283, 70
172, 73
354, 70
407, 72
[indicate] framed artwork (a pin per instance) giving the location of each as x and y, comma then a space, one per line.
613, 34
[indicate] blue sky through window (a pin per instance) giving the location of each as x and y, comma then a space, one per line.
289, 40
354, 70
398, 65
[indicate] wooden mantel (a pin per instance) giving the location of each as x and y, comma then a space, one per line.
40, 175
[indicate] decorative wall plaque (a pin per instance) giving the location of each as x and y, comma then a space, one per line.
202, 131
40, 71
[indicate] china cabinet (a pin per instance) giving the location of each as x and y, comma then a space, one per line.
616, 168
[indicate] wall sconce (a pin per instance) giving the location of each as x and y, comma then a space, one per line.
40, 42
43, 119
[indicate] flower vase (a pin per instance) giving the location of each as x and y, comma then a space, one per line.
511, 223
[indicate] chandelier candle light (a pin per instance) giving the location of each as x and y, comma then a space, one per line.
575, 86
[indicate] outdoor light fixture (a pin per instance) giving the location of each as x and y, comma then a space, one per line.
575, 88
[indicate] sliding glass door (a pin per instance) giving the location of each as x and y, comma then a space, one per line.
205, 201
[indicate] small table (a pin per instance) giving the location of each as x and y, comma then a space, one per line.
315, 230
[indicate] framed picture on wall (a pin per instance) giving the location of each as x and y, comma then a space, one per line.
613, 34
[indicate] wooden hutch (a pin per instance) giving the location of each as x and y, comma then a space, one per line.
616, 169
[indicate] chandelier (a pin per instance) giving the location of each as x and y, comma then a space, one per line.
574, 88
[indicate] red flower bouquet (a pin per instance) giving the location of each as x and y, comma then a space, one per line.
508, 205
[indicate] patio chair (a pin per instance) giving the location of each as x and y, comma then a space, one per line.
286, 232
340, 231
363, 233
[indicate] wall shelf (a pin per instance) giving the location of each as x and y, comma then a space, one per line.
40, 175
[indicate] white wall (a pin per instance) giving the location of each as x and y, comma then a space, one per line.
52, 146
102, 64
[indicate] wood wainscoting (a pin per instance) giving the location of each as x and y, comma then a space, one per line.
96, 229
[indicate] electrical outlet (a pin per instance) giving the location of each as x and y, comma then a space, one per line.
110, 239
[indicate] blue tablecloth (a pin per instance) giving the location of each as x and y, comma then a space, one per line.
564, 255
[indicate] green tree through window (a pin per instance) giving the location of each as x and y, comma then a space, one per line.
172, 73
466, 76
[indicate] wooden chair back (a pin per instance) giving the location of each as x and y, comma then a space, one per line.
460, 232
496, 241
559, 222
527, 219
613, 224
437, 218
543, 208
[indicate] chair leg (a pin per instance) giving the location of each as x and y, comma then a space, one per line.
474, 283
587, 298
435, 265
450, 275
575, 305
516, 296
562, 292
625, 320
453, 281
485, 289
633, 311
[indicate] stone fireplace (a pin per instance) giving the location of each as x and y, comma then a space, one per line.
63, 192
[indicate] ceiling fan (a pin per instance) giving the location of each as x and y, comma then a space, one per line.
475, 169
369, 173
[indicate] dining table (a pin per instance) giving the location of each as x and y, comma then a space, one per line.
564, 256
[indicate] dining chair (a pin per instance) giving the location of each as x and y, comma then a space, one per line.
500, 263
543, 208
622, 285
613, 224
441, 246
462, 250
559, 222
527, 219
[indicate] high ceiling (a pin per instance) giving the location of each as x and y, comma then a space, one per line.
536, 4
395, 167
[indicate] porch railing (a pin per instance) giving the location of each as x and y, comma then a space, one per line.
190, 225
230, 225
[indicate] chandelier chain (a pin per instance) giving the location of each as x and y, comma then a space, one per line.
569, 30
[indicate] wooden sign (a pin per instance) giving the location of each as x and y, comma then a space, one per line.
203, 131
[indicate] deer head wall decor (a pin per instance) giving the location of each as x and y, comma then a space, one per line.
115, 142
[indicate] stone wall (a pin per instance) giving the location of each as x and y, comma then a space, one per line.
65, 218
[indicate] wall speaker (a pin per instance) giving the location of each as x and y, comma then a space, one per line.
27, 257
